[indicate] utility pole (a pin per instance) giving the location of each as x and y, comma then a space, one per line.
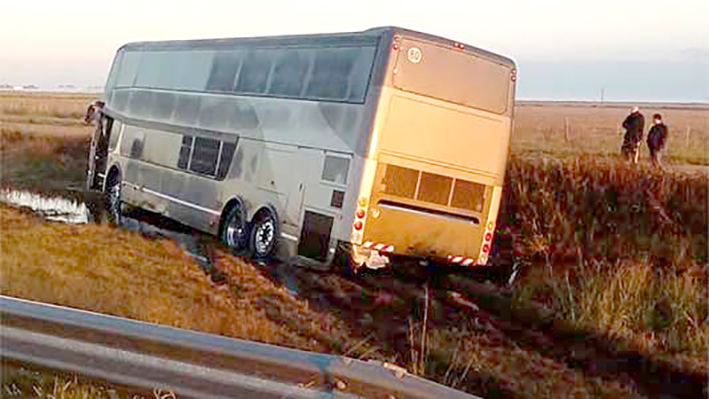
602, 90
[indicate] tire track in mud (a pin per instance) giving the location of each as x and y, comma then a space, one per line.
384, 304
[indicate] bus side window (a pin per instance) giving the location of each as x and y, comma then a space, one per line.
185, 152
204, 156
335, 169
225, 159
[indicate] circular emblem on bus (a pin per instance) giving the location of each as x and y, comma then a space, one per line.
414, 55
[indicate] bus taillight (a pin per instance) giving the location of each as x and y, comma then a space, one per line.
358, 225
360, 214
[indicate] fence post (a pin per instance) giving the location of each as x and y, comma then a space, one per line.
686, 137
566, 129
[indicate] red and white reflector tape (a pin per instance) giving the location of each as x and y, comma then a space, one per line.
460, 260
378, 247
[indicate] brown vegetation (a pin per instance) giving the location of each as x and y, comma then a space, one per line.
617, 249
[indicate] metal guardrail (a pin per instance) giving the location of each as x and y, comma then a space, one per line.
192, 364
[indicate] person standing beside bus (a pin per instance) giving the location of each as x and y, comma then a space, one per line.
656, 140
633, 125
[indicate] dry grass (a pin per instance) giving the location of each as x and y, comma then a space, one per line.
661, 313
39, 105
47, 164
593, 207
20, 382
43, 141
111, 271
469, 359
570, 130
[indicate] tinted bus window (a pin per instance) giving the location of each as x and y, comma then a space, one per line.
223, 73
204, 156
289, 73
253, 76
225, 159
128, 69
185, 152
331, 73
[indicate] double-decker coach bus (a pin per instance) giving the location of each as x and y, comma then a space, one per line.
375, 144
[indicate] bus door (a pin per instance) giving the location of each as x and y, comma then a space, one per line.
98, 152
323, 178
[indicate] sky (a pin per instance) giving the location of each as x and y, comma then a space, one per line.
644, 50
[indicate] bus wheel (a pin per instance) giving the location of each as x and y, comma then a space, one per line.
113, 199
234, 230
264, 232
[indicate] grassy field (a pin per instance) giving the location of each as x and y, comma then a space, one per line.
571, 129
610, 248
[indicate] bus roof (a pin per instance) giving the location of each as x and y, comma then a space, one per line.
341, 38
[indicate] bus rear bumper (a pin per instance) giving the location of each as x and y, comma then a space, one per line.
372, 258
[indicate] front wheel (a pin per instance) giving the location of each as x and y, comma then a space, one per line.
264, 233
113, 199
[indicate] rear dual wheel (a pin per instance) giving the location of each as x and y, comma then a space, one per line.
257, 240
264, 234
234, 233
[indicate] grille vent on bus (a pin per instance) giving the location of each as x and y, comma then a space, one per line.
433, 188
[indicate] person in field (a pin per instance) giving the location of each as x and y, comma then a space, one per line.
634, 124
656, 140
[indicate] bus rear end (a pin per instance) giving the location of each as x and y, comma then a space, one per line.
433, 178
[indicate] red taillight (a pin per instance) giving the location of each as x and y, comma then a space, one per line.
395, 46
358, 225
360, 214
488, 236
486, 248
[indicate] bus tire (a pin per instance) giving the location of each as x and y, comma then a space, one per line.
234, 230
113, 199
263, 235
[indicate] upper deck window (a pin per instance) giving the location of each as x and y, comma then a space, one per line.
289, 73
223, 73
327, 73
452, 75
254, 72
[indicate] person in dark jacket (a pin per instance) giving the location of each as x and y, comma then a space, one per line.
656, 139
634, 125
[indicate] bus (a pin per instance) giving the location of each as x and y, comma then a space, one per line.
370, 145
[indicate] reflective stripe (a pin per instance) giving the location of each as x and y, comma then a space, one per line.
367, 244
457, 259
173, 199
467, 262
390, 248
378, 247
